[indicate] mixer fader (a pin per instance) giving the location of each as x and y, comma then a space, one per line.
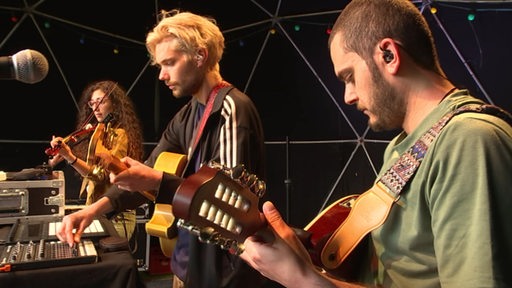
43, 254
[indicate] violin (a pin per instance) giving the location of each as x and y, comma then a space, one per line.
70, 140
88, 128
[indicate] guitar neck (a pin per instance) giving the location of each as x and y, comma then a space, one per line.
115, 165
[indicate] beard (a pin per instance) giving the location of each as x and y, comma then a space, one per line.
387, 105
190, 82
187, 88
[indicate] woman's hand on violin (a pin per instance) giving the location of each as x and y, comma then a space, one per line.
62, 148
54, 160
56, 142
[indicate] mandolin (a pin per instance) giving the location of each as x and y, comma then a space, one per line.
224, 210
220, 206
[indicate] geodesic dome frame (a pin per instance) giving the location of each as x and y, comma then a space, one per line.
318, 148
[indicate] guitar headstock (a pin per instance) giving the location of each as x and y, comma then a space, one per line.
220, 205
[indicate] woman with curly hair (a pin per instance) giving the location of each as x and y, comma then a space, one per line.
105, 105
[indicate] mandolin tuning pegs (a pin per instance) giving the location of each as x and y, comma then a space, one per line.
206, 234
237, 172
260, 188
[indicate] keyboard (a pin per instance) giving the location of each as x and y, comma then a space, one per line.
15, 230
95, 229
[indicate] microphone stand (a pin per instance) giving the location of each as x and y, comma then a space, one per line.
288, 181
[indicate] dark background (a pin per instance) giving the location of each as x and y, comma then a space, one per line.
318, 148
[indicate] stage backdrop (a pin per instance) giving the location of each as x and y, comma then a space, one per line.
318, 148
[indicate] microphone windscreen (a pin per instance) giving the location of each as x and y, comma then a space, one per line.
30, 66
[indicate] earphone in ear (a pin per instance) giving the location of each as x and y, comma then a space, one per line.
387, 55
199, 57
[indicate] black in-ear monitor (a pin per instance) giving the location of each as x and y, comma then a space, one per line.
387, 55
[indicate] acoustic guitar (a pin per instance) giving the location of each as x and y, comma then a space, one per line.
162, 223
225, 211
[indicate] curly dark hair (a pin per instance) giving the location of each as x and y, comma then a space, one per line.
125, 116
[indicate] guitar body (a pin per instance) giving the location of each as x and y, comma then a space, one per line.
172, 163
330, 219
357, 264
162, 223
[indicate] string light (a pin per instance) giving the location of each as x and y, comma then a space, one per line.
471, 16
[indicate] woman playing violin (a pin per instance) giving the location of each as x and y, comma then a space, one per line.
106, 110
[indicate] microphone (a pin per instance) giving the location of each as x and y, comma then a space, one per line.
28, 66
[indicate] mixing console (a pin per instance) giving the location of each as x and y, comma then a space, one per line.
43, 254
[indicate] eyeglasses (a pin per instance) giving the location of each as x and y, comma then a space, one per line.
92, 104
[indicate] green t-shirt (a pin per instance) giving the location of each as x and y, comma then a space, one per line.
452, 226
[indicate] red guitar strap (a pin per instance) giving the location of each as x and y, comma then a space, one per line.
371, 208
207, 111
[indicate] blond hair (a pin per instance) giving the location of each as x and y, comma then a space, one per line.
192, 32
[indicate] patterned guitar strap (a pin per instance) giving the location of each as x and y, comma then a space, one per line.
371, 208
